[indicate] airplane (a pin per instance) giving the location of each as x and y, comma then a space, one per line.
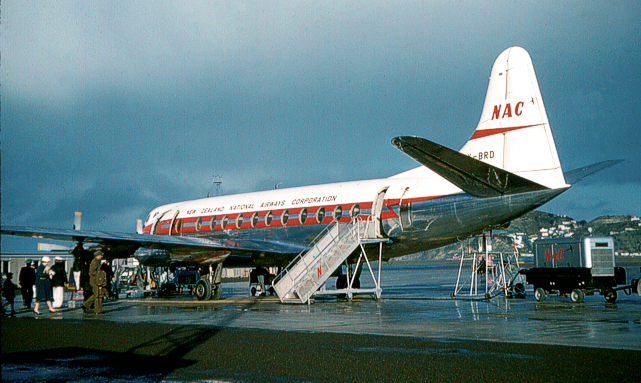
509, 167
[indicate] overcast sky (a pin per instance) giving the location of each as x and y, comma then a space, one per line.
112, 108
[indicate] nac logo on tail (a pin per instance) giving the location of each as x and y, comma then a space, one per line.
507, 110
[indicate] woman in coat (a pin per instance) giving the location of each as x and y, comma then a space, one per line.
43, 286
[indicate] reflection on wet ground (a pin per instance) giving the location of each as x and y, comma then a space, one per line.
416, 303
416, 332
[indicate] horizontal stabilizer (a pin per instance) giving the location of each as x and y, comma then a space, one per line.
475, 177
576, 175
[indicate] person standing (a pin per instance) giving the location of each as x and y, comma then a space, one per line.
9, 292
106, 267
85, 280
43, 286
77, 270
26, 280
97, 293
58, 282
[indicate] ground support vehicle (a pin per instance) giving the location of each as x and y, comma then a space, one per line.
184, 280
260, 281
577, 267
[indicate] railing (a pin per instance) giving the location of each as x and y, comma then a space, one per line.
320, 250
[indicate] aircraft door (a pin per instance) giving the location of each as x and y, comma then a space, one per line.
405, 212
377, 210
406, 215
174, 227
154, 229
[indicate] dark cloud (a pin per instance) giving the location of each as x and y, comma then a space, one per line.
113, 109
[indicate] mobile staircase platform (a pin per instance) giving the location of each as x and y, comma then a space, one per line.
309, 271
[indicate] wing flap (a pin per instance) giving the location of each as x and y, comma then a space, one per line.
475, 177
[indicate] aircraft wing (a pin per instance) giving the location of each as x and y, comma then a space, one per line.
475, 177
124, 244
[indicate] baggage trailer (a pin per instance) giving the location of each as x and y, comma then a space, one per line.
577, 267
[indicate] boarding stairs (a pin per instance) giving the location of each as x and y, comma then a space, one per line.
302, 278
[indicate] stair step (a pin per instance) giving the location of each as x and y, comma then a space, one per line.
309, 271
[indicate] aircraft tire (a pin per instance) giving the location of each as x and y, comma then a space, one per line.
203, 290
217, 292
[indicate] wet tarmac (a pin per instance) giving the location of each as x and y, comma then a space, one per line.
416, 319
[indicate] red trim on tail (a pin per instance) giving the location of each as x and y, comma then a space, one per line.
491, 132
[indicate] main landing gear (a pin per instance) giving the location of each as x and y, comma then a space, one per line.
210, 286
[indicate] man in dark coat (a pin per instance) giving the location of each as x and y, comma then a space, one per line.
9, 292
106, 267
26, 280
97, 293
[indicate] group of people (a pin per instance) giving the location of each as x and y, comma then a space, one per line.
50, 279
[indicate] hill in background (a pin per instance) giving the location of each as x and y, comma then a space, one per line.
523, 231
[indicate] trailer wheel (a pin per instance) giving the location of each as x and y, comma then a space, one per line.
610, 295
576, 296
539, 294
519, 290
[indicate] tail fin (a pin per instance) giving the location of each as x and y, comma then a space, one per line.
514, 132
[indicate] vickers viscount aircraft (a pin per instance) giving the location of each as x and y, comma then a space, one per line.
508, 167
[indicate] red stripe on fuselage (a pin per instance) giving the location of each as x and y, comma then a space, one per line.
491, 132
276, 217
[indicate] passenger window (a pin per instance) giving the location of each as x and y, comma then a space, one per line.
199, 224
223, 224
303, 216
239, 220
355, 211
254, 219
320, 214
284, 217
338, 213
268, 218
212, 224
177, 226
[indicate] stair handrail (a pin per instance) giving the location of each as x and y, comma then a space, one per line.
354, 222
